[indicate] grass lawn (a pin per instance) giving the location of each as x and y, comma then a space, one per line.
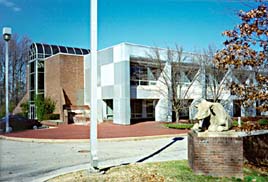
179, 125
172, 171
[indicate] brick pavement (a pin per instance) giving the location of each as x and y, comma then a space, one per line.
105, 130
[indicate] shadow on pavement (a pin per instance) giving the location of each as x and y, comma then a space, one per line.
160, 150
174, 140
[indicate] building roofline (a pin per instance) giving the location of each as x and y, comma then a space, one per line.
50, 49
64, 54
144, 46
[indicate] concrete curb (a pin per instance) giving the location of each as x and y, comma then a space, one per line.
62, 171
36, 140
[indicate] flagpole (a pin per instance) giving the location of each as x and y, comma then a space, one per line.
93, 89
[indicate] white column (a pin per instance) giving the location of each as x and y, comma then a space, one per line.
169, 92
144, 109
93, 89
163, 108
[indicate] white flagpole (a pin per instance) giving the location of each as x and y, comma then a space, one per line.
93, 89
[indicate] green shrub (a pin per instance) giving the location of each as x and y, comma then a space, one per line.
179, 125
25, 109
263, 121
44, 106
2, 111
235, 123
51, 116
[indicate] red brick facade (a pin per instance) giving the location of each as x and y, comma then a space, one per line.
64, 80
216, 156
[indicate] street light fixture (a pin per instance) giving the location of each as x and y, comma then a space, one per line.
7, 37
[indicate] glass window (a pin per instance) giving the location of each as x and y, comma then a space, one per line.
47, 49
109, 108
41, 81
136, 108
85, 51
41, 55
55, 49
143, 74
32, 94
40, 66
32, 67
150, 108
32, 81
63, 49
70, 50
78, 51
39, 48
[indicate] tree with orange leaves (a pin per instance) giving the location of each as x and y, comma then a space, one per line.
246, 50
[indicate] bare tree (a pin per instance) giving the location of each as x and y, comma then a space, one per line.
18, 57
179, 72
215, 78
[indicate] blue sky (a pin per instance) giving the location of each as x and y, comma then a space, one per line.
191, 24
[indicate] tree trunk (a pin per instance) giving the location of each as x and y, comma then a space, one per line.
177, 116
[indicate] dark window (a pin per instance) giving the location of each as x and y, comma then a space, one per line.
55, 49
32, 67
136, 108
150, 108
47, 49
78, 51
32, 82
41, 81
63, 49
85, 51
40, 66
32, 93
236, 108
39, 48
109, 108
70, 50
143, 74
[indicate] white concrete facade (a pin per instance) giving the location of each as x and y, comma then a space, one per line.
114, 83
117, 96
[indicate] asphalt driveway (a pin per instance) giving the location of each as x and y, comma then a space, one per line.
33, 161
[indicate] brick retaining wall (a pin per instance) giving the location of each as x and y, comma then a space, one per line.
216, 156
256, 149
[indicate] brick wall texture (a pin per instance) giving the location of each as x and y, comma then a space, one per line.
256, 149
216, 156
64, 80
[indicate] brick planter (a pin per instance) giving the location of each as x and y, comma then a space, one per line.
216, 154
222, 154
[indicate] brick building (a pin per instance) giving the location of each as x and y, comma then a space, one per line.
56, 72
64, 81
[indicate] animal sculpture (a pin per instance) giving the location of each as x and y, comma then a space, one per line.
212, 117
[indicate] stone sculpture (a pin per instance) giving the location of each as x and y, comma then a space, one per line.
212, 117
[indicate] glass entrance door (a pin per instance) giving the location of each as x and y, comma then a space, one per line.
32, 111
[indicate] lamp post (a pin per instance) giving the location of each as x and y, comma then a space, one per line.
7, 37
93, 89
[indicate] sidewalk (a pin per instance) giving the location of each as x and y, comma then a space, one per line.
106, 130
